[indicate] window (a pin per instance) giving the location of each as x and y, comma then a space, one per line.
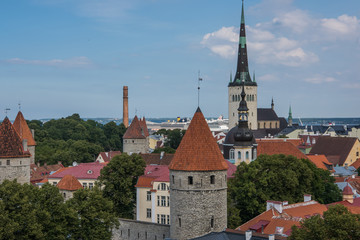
163, 201
190, 180
148, 212
158, 200
54, 183
133, 141
145, 235
232, 154
212, 179
128, 232
179, 222
0, 162
168, 201
357, 154
8, 162
84, 185
259, 125
239, 155
173, 179
163, 186
158, 218
168, 219
163, 218
91, 185
148, 196
233, 99
247, 154
270, 125
20, 162
212, 222
64, 195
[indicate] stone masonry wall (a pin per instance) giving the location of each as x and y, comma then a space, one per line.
195, 207
135, 145
18, 168
131, 230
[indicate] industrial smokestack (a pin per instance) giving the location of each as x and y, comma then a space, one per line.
125, 107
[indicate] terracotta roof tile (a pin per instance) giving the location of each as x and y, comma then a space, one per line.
135, 130
356, 164
10, 141
144, 126
295, 141
279, 147
144, 182
320, 161
107, 156
334, 146
155, 158
81, 171
23, 129
198, 150
70, 183
38, 173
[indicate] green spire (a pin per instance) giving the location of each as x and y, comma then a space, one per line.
230, 76
254, 77
242, 13
290, 113
242, 39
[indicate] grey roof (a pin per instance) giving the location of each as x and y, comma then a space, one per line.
283, 123
344, 172
234, 235
342, 185
262, 133
266, 114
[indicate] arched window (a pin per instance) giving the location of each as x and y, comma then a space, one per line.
212, 222
259, 125
232, 154
233, 98
239, 155
270, 125
247, 154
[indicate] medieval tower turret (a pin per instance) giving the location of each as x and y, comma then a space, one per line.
198, 187
242, 74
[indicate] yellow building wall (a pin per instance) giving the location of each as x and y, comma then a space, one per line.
354, 153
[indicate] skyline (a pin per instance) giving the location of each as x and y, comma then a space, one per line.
62, 57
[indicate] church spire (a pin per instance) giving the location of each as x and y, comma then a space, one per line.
272, 103
290, 117
243, 110
242, 71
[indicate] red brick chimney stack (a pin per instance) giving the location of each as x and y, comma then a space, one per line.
125, 107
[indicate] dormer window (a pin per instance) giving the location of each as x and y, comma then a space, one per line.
89, 172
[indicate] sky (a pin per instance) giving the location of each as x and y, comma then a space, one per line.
59, 57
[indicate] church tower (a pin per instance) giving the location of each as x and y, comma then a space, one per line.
290, 119
242, 74
240, 144
198, 184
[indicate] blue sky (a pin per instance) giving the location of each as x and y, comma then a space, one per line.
59, 57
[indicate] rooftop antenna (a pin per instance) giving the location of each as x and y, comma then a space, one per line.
6, 111
199, 80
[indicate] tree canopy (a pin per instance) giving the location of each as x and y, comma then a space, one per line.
73, 139
173, 137
119, 177
337, 223
27, 212
276, 177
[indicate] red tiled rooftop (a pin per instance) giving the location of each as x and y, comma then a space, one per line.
356, 164
70, 183
23, 129
145, 182
295, 141
279, 147
198, 150
135, 130
81, 171
320, 161
10, 141
37, 173
107, 156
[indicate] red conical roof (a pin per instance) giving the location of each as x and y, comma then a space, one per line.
70, 183
198, 150
135, 130
347, 190
10, 141
23, 129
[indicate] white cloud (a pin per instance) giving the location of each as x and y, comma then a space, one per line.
72, 62
268, 78
343, 25
222, 41
297, 20
352, 85
320, 79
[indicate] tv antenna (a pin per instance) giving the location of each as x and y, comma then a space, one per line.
199, 80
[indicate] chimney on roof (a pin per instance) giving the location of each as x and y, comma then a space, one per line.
125, 106
307, 197
33, 133
162, 155
248, 235
274, 205
25, 146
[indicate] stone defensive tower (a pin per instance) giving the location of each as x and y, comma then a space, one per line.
198, 184
125, 106
242, 74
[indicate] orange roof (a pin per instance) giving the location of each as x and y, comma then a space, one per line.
145, 181
295, 141
198, 150
23, 129
292, 215
320, 161
144, 127
70, 183
10, 141
356, 164
279, 147
135, 130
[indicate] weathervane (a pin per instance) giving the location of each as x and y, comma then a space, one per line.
199, 79
19, 104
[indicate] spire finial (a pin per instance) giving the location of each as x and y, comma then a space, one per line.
272, 103
230, 76
6, 111
254, 77
199, 80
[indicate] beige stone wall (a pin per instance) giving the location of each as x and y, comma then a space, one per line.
67, 194
233, 105
354, 154
136, 145
15, 168
89, 183
142, 204
355, 132
32, 152
268, 124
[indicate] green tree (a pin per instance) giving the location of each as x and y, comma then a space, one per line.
174, 137
95, 216
119, 177
278, 177
337, 224
164, 149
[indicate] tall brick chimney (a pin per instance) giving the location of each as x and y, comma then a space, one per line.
125, 107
